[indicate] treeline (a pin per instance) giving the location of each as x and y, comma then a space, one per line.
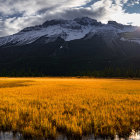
107, 72
113, 72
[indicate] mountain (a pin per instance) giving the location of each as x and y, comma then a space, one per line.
70, 47
66, 29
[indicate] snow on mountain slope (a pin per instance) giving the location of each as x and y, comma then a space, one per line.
133, 36
66, 29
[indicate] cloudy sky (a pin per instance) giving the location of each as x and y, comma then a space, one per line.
18, 14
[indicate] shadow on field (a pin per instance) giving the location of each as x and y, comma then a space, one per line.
12, 84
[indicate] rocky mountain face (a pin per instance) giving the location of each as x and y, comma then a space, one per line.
67, 47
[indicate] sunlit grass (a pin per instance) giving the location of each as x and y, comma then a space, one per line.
75, 107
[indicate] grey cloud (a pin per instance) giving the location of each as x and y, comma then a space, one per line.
18, 14
84, 12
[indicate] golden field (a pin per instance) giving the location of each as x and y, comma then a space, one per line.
75, 107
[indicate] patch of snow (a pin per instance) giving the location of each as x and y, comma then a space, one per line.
135, 40
68, 31
61, 47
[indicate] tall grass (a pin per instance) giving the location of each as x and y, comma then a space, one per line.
76, 107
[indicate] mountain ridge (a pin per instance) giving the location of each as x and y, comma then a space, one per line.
73, 29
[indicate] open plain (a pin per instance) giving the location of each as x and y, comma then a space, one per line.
47, 107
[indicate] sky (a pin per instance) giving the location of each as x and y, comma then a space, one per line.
18, 14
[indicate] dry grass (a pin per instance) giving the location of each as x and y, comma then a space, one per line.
76, 107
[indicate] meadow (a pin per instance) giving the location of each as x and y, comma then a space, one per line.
47, 107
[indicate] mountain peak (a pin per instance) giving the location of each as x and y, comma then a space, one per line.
87, 21
116, 24
54, 22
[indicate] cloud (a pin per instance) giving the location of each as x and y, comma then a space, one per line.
31, 7
31, 12
115, 11
18, 14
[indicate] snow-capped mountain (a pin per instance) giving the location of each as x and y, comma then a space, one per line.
68, 30
69, 47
